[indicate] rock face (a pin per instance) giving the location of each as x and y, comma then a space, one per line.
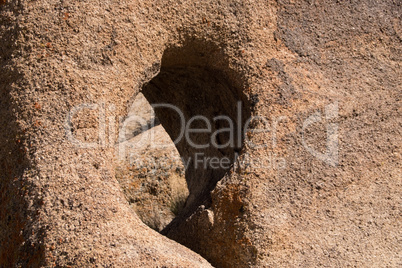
313, 179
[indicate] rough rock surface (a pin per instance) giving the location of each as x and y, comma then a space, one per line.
324, 75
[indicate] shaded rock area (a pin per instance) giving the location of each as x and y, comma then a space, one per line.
150, 171
313, 179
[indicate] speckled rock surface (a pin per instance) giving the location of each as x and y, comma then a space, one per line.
308, 67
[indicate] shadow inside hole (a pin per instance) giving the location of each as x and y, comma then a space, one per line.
206, 123
194, 89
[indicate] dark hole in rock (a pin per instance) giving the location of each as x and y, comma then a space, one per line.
196, 89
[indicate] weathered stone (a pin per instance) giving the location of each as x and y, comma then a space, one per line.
324, 75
